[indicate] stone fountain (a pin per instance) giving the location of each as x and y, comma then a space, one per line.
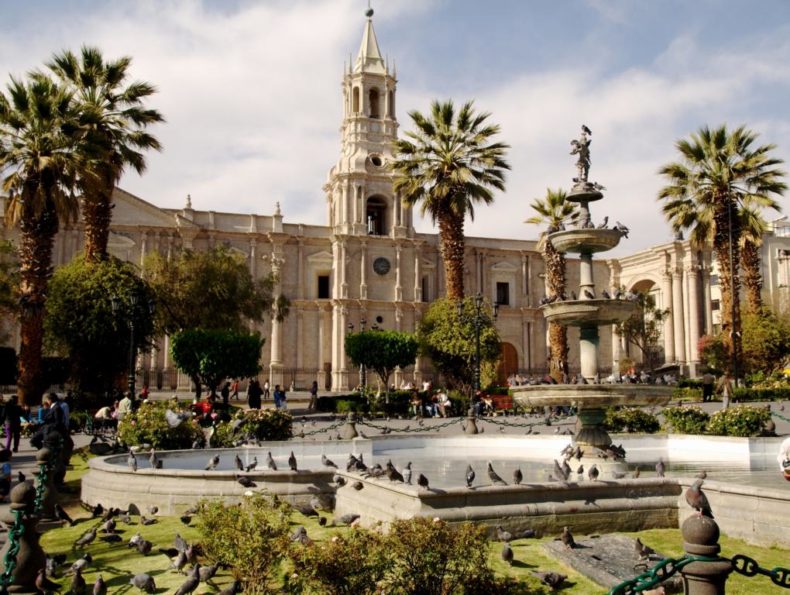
588, 312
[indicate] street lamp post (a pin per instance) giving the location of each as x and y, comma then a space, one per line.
476, 319
733, 297
132, 311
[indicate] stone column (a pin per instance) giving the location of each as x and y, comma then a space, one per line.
343, 269
299, 340
363, 270
276, 357
708, 301
300, 281
398, 287
417, 275
669, 332
324, 336
677, 316
143, 246
692, 273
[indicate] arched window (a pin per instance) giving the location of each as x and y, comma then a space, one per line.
373, 100
355, 100
375, 216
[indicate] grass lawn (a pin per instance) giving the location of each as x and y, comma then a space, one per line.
117, 563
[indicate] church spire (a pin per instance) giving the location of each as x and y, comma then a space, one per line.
369, 58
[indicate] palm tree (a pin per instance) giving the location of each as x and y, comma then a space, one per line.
40, 166
113, 121
753, 227
721, 171
448, 164
553, 211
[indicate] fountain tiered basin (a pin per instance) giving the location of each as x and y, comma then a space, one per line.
585, 241
588, 312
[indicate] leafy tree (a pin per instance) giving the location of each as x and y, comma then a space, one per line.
82, 324
448, 164
553, 211
212, 290
450, 342
712, 351
719, 172
112, 121
39, 164
766, 340
643, 328
381, 351
209, 356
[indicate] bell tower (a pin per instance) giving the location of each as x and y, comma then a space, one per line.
360, 201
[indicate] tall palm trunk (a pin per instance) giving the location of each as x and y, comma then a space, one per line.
558, 334
97, 214
752, 277
727, 228
452, 245
35, 251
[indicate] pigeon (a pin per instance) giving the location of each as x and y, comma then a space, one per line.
146, 522
327, 462
580, 472
407, 473
636, 473
559, 472
339, 480
517, 476
135, 539
238, 463
697, 499
567, 538
109, 526
191, 583
270, 462
99, 587
20, 477
81, 563
153, 459
186, 519
621, 228
179, 561
606, 294
492, 475
159, 464
643, 551
212, 463
503, 535
357, 485
347, 519
660, 468
78, 585
392, 473
292, 462
86, 539
702, 474
552, 579
526, 534
422, 481
152, 510
132, 461
604, 223
592, 474
589, 294
43, 584
470, 476
144, 547
618, 475
246, 482
507, 554
300, 536
62, 515
566, 469
144, 582
126, 518
206, 573
180, 542
111, 538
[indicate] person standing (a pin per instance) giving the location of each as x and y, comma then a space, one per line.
708, 380
278, 397
234, 389
266, 390
254, 393
725, 389
124, 406
225, 392
13, 424
313, 406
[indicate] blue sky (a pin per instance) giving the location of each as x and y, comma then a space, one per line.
251, 90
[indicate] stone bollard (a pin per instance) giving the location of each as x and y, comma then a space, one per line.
701, 538
349, 430
45, 484
470, 426
30, 558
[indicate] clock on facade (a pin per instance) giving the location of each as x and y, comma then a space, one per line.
381, 265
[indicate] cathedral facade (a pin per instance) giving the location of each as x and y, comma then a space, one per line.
367, 266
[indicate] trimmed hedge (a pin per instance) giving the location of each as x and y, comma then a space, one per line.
687, 394
741, 420
631, 420
686, 419
779, 393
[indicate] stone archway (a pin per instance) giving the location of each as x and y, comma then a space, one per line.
508, 363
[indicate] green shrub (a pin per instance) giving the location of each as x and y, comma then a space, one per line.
778, 393
432, 557
263, 424
687, 394
740, 420
251, 538
348, 564
689, 383
686, 420
148, 425
351, 405
631, 420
